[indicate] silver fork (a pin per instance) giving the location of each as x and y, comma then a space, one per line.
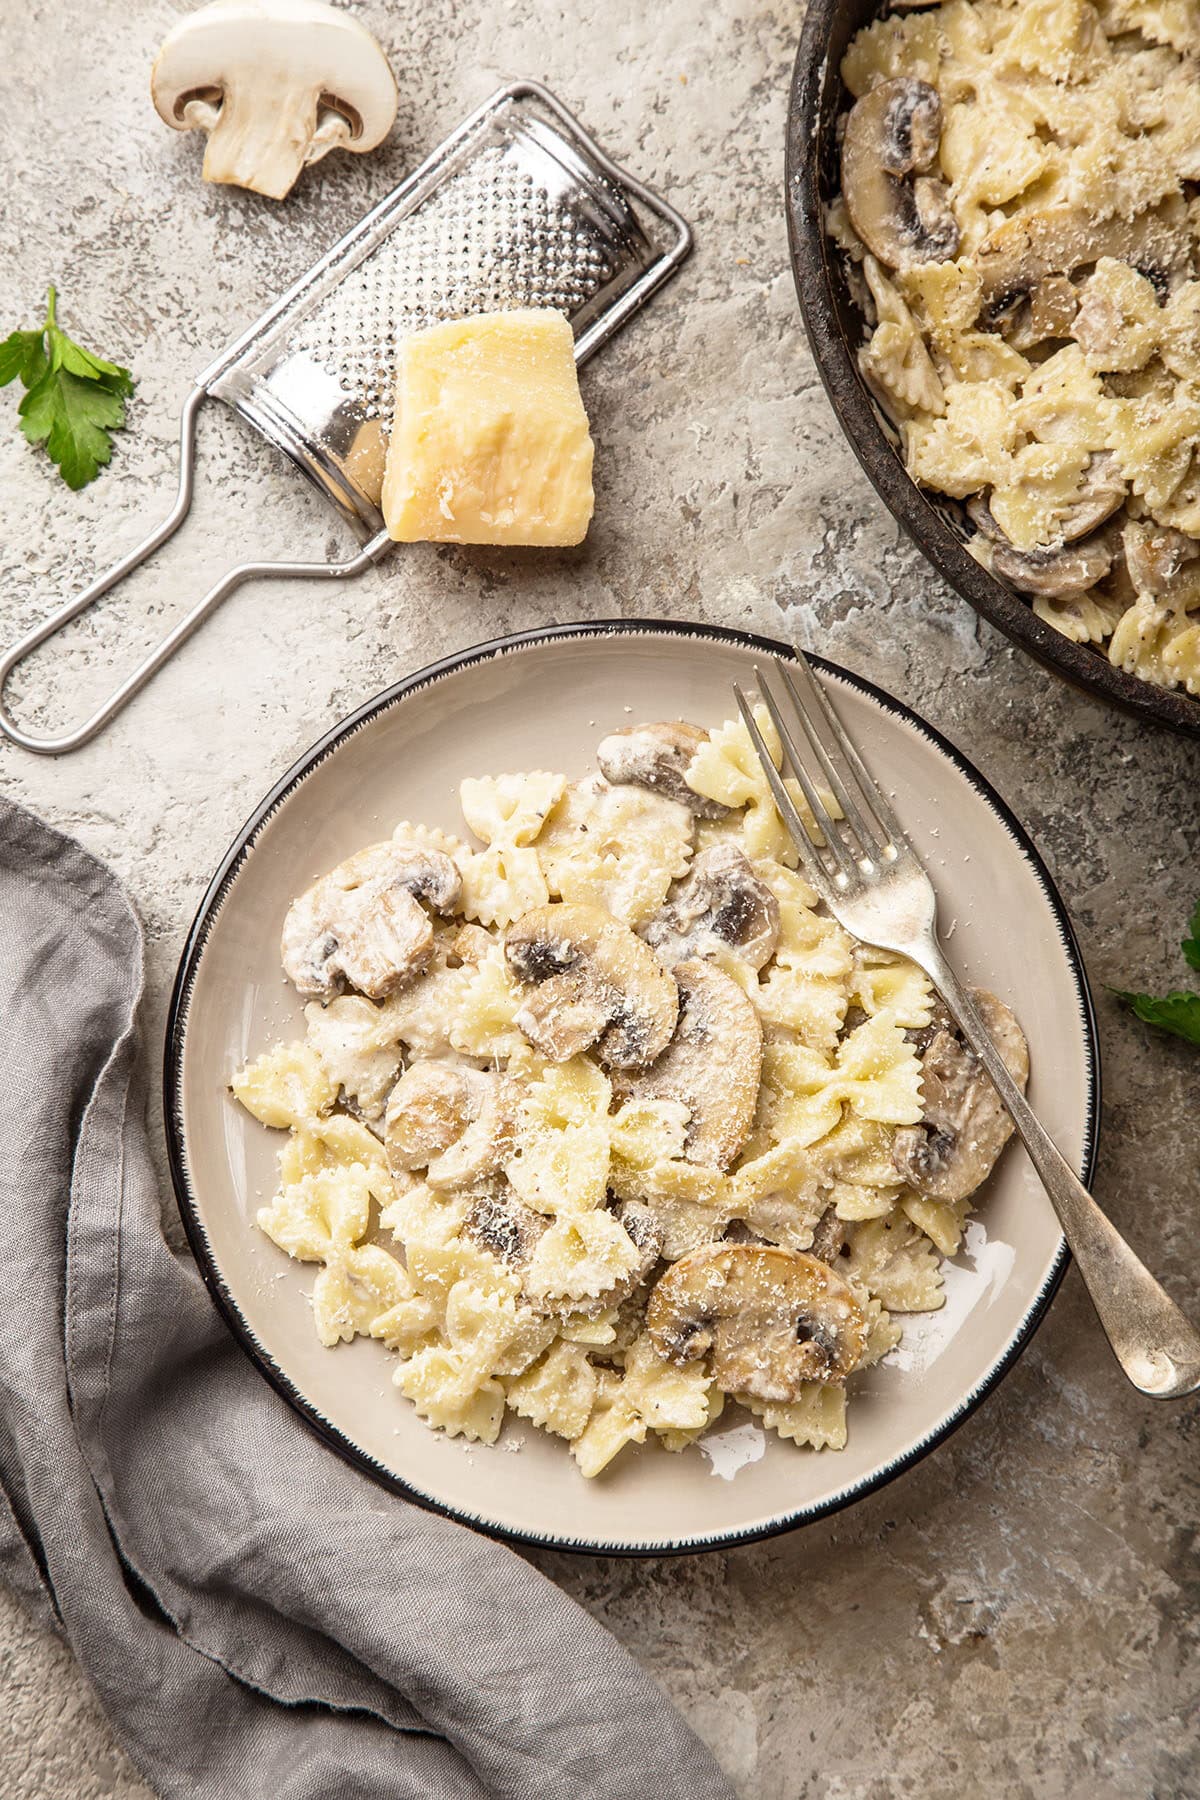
871, 880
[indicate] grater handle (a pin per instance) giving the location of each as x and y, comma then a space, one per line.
265, 571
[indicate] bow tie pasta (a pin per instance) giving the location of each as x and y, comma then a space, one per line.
1021, 227
600, 1122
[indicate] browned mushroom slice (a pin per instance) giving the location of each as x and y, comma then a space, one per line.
1066, 568
713, 1064
964, 1127
769, 1319
1156, 556
453, 1121
657, 757
899, 210
609, 988
1060, 239
721, 904
361, 925
829, 1236
503, 1224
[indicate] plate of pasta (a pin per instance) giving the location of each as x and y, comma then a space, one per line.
995, 234
557, 1156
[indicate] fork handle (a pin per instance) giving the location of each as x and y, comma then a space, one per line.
1156, 1346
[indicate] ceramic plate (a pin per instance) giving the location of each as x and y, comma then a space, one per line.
542, 701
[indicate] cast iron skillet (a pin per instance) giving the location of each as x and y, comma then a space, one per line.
835, 330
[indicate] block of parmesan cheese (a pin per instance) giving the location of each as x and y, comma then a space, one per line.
490, 441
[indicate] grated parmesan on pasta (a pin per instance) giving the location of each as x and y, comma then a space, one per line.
498, 1211
1020, 218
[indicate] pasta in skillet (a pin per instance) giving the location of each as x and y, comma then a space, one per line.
603, 1123
1020, 212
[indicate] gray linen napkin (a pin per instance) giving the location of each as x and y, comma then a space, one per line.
257, 1618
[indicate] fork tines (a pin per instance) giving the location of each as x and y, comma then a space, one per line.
859, 832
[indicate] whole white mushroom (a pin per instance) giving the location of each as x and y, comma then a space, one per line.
276, 84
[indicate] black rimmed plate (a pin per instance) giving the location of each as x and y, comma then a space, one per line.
542, 700
835, 331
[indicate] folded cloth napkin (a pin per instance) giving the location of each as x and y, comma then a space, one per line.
257, 1618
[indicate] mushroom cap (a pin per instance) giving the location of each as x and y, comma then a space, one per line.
713, 1064
360, 925
451, 1120
609, 987
964, 1127
658, 757
770, 1319
721, 903
899, 210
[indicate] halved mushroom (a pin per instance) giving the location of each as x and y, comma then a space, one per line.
276, 84
900, 211
721, 903
451, 1120
964, 1127
1020, 253
657, 757
713, 1064
598, 983
361, 924
770, 1319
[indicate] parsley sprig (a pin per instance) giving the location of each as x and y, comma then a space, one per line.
73, 400
1178, 1013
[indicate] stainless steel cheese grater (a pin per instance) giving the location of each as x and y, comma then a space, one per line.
518, 207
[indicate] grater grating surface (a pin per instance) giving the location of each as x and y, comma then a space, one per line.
518, 208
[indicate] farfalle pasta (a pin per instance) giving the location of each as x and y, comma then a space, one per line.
599, 1121
1020, 212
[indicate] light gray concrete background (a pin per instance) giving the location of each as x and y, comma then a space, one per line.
1017, 1615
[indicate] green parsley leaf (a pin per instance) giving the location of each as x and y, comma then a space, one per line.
74, 399
1176, 1013
1191, 945
23, 353
73, 418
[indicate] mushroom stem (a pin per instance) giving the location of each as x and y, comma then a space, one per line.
262, 140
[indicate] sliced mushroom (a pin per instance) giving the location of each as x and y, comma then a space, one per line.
900, 211
720, 904
451, 1120
1066, 568
1156, 555
713, 1064
361, 924
770, 1319
1101, 491
829, 1236
657, 757
1028, 319
501, 1222
1020, 253
598, 984
964, 1127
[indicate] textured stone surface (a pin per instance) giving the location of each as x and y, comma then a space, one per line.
1018, 1613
